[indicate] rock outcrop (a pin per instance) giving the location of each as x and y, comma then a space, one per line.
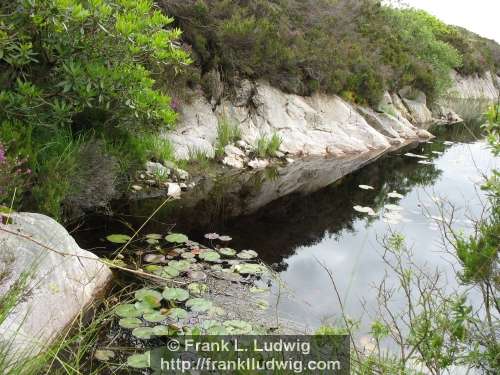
62, 280
319, 125
486, 87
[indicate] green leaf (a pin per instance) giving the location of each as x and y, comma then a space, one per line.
251, 269
177, 238
175, 294
177, 313
154, 317
238, 327
139, 360
247, 254
197, 289
154, 236
127, 311
144, 307
209, 256
143, 333
118, 238
162, 331
149, 295
199, 304
130, 323
227, 251
167, 272
180, 265
104, 355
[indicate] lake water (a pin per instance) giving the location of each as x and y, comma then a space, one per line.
295, 231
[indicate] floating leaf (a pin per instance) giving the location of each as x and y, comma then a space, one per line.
187, 255
154, 236
154, 258
175, 294
238, 327
199, 304
209, 256
104, 355
177, 238
144, 333
138, 360
412, 155
247, 254
197, 289
225, 238
152, 241
197, 275
366, 187
211, 236
127, 311
180, 265
161, 331
227, 251
144, 307
118, 238
130, 323
147, 294
251, 269
365, 210
167, 272
152, 268
154, 317
395, 194
177, 313
263, 305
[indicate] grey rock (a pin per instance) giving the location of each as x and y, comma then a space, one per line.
174, 190
157, 169
258, 163
233, 161
63, 280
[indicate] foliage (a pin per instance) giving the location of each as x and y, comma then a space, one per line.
73, 70
227, 133
353, 48
14, 177
268, 147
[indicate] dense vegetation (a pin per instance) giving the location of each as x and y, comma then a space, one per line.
353, 48
84, 85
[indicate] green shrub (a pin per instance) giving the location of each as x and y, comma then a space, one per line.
74, 70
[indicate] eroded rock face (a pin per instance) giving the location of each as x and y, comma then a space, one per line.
475, 87
63, 280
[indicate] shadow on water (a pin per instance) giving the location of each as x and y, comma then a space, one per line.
278, 210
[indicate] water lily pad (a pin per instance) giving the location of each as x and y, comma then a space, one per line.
177, 313
412, 155
149, 296
175, 294
104, 355
366, 187
395, 194
225, 238
143, 333
209, 256
211, 236
199, 304
154, 236
138, 360
197, 289
154, 317
152, 268
130, 323
187, 255
216, 267
167, 272
227, 251
162, 330
238, 327
118, 238
365, 210
152, 241
144, 307
177, 238
247, 254
217, 330
154, 258
197, 275
251, 269
127, 311
180, 265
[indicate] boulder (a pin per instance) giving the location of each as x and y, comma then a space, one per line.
416, 103
62, 281
258, 163
157, 169
174, 190
474, 87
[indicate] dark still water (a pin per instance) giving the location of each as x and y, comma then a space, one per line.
295, 231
